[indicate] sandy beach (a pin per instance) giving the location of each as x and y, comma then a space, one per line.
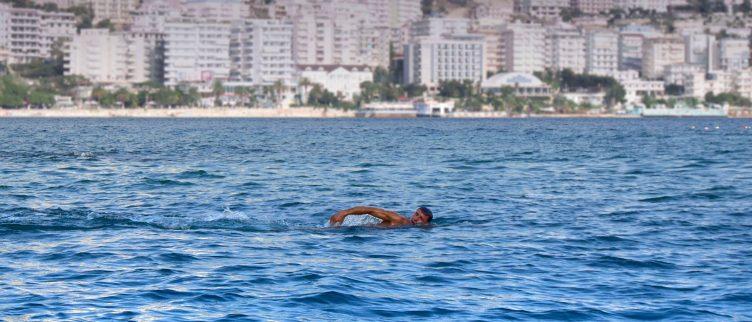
298, 112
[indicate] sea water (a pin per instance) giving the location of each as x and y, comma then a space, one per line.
177, 219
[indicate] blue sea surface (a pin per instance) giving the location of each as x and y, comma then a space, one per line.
223, 219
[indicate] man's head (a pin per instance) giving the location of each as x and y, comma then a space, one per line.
422, 216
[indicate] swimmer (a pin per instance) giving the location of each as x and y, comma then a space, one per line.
421, 216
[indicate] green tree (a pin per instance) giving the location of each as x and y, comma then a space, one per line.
12, 92
322, 97
732, 99
279, 89
368, 91
218, 89
414, 90
247, 95
50, 7
674, 89
105, 24
746, 7
166, 97
426, 6
305, 83
41, 98
381, 75
569, 13
615, 94
457, 89
104, 97
84, 16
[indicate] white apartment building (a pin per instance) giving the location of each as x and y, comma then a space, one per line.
602, 52
631, 39
649, 5
716, 82
152, 15
402, 12
733, 54
330, 34
116, 11
494, 47
4, 30
680, 73
196, 51
659, 53
543, 9
593, 6
219, 10
62, 4
108, 57
566, 49
636, 88
700, 50
498, 10
743, 83
261, 52
430, 60
146, 52
29, 34
99, 56
525, 48
438, 26
630, 51
344, 80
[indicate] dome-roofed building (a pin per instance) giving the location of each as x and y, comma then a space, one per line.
524, 85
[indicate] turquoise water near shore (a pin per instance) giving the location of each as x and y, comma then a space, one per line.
212, 219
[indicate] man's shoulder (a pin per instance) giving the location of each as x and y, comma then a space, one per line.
403, 221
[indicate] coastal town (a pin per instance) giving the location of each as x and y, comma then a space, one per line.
376, 58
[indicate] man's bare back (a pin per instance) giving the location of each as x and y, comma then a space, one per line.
422, 216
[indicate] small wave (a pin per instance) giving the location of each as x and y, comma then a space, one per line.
659, 199
291, 204
83, 155
167, 182
675, 288
674, 314
614, 261
165, 294
200, 174
4, 187
239, 268
565, 315
209, 298
611, 239
328, 297
443, 264
235, 317
431, 279
745, 298
372, 165
28, 219
173, 257
251, 184
434, 312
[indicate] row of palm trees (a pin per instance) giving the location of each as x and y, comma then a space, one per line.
248, 94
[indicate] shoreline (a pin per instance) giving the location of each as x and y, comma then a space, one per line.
298, 112
295, 112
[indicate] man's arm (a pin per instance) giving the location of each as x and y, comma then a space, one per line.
385, 215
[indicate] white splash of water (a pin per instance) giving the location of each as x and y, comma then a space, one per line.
227, 214
353, 221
